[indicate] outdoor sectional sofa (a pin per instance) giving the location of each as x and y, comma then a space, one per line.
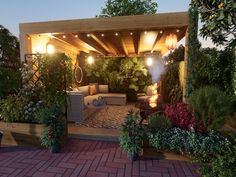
81, 101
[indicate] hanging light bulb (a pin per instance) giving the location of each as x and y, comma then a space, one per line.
149, 61
90, 60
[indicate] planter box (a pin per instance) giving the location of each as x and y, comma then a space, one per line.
21, 133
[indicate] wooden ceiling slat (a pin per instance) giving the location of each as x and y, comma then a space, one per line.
101, 43
136, 42
89, 40
156, 41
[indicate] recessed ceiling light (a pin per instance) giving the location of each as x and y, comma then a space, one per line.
161, 32
177, 30
102, 35
131, 33
88, 35
64, 36
76, 36
145, 32
117, 34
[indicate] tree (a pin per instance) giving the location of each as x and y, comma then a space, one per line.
128, 7
10, 78
9, 48
219, 20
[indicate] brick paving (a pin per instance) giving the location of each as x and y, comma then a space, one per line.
86, 158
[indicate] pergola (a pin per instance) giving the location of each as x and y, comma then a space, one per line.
115, 36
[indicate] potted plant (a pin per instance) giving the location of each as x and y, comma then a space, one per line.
132, 134
55, 125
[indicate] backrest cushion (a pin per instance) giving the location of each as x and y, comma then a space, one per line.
103, 88
84, 89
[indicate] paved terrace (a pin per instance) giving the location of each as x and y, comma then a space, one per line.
86, 158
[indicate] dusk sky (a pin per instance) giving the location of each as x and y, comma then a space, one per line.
13, 12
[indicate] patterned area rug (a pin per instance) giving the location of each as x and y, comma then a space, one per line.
109, 117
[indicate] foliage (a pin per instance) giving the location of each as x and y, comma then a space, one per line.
132, 134
216, 68
9, 63
9, 48
10, 109
180, 116
128, 75
10, 81
189, 142
219, 20
53, 119
172, 91
220, 164
158, 121
193, 47
178, 54
211, 107
128, 7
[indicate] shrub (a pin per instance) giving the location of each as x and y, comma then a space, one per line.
220, 164
158, 121
180, 116
189, 141
216, 68
132, 134
10, 109
211, 107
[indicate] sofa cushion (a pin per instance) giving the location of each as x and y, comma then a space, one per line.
89, 99
84, 89
103, 88
112, 95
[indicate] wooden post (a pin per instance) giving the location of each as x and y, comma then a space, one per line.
185, 66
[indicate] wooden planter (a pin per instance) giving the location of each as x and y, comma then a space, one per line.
21, 133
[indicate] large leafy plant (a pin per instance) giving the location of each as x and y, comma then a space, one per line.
121, 74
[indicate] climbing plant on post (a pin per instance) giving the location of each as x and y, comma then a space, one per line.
193, 47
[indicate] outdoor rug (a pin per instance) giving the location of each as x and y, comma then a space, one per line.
109, 117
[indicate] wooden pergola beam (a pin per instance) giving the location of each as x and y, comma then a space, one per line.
136, 41
159, 35
101, 43
138, 22
89, 41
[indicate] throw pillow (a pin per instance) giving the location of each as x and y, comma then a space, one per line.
92, 89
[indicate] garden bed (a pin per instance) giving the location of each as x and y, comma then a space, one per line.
21, 133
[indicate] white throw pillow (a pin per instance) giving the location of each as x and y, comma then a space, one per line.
85, 90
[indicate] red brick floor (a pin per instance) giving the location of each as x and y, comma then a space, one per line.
86, 158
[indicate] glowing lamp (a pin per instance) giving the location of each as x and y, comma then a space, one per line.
149, 61
171, 41
90, 60
50, 49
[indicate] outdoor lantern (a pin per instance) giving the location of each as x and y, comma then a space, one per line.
171, 41
149, 61
50, 49
90, 60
